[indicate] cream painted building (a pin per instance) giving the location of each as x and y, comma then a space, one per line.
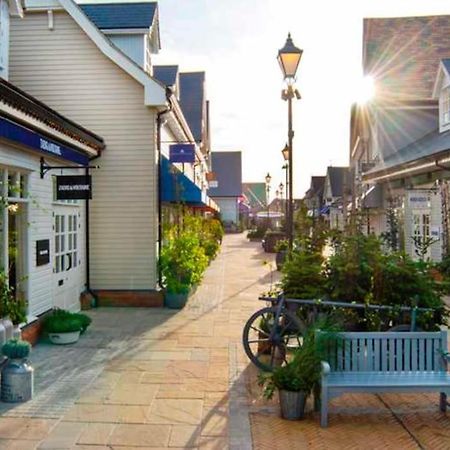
60, 56
43, 246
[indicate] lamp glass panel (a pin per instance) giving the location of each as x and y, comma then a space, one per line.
289, 63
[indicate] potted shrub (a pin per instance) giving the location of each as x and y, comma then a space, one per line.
183, 261
64, 327
301, 375
17, 374
255, 235
270, 240
281, 247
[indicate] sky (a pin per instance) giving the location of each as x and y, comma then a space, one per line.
236, 43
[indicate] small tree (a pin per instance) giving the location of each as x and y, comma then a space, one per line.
391, 235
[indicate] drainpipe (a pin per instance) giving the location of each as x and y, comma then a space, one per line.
159, 117
94, 303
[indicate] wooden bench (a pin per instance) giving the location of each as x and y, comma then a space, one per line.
385, 362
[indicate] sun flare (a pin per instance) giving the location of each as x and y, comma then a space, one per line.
365, 89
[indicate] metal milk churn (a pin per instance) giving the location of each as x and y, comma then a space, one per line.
17, 381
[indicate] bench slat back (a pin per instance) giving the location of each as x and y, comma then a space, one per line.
387, 351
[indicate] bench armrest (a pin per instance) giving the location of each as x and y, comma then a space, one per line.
325, 368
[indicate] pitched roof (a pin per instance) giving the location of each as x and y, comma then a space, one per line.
192, 100
317, 184
228, 169
337, 179
403, 54
432, 144
255, 193
166, 74
109, 16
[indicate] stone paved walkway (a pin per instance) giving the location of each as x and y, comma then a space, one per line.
150, 378
154, 378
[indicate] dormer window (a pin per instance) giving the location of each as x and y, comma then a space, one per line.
445, 105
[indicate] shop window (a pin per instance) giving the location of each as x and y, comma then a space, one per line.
66, 242
445, 105
13, 224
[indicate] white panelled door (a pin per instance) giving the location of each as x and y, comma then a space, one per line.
66, 257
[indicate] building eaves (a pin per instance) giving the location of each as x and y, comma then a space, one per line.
431, 147
20, 100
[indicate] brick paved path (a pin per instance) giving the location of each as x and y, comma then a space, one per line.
154, 378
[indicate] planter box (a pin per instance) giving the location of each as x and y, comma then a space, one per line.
64, 338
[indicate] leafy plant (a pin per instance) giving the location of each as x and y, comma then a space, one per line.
62, 321
282, 245
17, 311
303, 371
257, 233
16, 349
183, 259
350, 269
303, 275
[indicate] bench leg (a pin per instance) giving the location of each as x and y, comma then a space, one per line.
316, 392
324, 408
443, 402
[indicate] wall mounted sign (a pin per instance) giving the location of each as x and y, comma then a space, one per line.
73, 187
435, 232
418, 199
42, 252
182, 153
36, 141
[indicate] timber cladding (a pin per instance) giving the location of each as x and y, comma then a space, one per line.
66, 70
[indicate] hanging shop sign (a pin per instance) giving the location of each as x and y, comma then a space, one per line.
182, 153
42, 252
37, 141
73, 187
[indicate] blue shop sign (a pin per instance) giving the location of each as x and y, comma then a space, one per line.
36, 141
182, 153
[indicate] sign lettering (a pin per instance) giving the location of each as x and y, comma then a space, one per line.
73, 187
182, 153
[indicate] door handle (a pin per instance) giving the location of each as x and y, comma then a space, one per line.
70, 261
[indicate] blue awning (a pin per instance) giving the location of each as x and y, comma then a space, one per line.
177, 187
325, 210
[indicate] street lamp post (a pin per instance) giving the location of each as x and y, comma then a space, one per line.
285, 153
281, 189
289, 58
268, 179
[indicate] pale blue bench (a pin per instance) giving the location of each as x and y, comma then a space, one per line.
376, 362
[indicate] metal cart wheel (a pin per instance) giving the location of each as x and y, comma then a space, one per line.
268, 344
